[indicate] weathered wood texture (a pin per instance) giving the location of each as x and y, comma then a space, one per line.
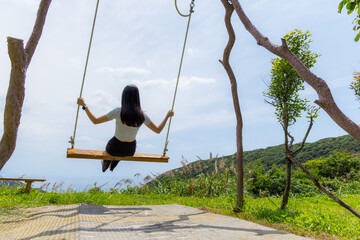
20, 59
28, 181
96, 154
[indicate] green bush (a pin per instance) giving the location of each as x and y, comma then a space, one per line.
342, 165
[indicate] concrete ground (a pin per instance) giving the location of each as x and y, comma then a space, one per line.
131, 222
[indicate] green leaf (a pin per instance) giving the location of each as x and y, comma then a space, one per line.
357, 37
341, 5
350, 6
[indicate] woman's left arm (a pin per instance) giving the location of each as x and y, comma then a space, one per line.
158, 129
94, 120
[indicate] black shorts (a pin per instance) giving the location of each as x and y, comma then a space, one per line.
118, 148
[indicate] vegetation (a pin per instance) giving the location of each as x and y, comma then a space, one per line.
268, 156
283, 90
283, 94
9, 183
308, 212
355, 85
352, 6
316, 217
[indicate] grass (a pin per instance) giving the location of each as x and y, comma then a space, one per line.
308, 213
318, 217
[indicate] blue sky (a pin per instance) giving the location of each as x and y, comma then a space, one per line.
140, 42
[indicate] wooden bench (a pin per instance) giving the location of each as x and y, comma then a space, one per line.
27, 180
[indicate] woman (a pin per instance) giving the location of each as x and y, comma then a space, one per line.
128, 118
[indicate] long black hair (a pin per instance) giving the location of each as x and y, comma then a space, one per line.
131, 113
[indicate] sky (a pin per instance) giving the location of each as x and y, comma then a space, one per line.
140, 42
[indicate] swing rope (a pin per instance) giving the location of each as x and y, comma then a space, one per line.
192, 5
72, 139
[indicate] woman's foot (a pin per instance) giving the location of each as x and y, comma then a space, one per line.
105, 164
113, 164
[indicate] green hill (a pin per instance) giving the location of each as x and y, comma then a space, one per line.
269, 156
9, 183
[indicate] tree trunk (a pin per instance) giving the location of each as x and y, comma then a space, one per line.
286, 194
20, 60
239, 123
325, 100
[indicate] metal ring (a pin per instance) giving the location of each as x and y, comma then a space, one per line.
183, 15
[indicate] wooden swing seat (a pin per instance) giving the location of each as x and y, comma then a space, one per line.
95, 154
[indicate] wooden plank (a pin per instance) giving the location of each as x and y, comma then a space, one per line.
28, 186
23, 179
96, 154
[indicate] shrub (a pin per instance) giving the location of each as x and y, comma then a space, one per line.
341, 165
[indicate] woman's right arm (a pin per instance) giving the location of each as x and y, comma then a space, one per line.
93, 119
159, 128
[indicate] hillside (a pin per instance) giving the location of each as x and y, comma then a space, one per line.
269, 156
9, 183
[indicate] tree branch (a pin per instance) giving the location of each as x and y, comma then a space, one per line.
291, 141
325, 100
37, 30
322, 188
305, 137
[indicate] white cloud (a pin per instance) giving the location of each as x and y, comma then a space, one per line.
259, 115
102, 101
75, 62
91, 142
128, 72
203, 119
189, 82
340, 82
31, 3
333, 84
193, 51
145, 145
184, 82
38, 129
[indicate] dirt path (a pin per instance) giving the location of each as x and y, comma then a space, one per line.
130, 222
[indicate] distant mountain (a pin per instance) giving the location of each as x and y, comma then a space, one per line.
269, 156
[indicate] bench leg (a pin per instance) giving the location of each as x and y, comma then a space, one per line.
28, 186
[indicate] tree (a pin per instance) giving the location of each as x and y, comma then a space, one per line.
20, 59
355, 85
229, 9
325, 100
351, 6
283, 92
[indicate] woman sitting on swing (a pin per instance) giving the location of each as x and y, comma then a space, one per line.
129, 118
